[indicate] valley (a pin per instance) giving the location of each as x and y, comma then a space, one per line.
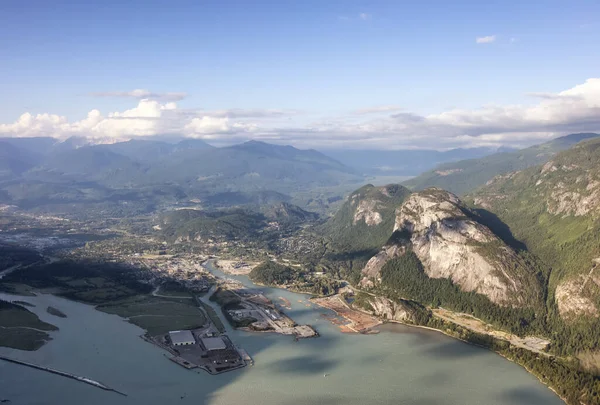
243, 202
464, 266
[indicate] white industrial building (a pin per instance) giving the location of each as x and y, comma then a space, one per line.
182, 338
213, 343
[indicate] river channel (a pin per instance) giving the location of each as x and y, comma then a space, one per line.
400, 365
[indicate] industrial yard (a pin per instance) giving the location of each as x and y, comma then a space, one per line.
205, 348
249, 309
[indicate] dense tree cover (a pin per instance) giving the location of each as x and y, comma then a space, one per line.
228, 224
11, 255
404, 278
466, 175
350, 241
128, 179
563, 243
573, 384
349, 234
272, 273
85, 280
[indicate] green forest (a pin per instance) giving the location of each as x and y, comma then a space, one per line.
276, 274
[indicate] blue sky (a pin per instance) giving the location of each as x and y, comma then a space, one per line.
310, 65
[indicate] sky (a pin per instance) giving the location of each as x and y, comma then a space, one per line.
325, 74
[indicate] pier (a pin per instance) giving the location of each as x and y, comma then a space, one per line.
63, 373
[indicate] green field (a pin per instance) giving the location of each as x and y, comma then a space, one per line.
157, 315
212, 314
22, 329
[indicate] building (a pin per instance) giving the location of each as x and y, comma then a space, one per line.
213, 343
182, 338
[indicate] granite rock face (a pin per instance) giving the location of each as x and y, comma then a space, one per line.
451, 243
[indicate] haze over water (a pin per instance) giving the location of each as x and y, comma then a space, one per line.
400, 365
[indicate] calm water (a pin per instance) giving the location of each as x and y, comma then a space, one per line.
401, 365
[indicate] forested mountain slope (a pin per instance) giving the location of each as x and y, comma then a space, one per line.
555, 210
366, 219
140, 176
437, 237
466, 175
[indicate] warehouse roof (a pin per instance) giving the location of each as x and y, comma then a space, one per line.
213, 343
181, 336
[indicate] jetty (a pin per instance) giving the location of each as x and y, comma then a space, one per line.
64, 374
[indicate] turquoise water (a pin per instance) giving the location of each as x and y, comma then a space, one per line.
400, 365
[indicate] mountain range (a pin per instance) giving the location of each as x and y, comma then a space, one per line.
511, 238
466, 175
554, 209
146, 174
521, 252
405, 162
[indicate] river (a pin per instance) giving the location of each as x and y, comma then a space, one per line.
400, 366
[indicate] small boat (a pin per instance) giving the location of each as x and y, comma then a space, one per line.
325, 375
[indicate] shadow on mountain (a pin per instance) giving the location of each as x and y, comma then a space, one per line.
502, 230
363, 254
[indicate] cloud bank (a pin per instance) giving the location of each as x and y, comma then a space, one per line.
552, 114
142, 94
485, 40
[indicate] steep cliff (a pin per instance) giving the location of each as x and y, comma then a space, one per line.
401, 311
451, 243
366, 219
555, 210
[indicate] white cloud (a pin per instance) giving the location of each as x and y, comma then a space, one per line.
148, 118
142, 94
208, 125
250, 113
485, 40
364, 16
211, 127
574, 110
377, 109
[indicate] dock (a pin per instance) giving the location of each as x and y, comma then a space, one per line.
245, 356
63, 374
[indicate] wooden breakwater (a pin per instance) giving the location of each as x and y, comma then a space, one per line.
63, 374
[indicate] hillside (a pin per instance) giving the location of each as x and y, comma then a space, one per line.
140, 176
555, 210
287, 213
466, 175
14, 161
403, 162
436, 237
232, 224
190, 225
366, 219
251, 166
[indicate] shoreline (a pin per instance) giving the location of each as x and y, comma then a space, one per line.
482, 347
393, 321
381, 322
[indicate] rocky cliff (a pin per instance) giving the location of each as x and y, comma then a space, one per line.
555, 209
366, 218
451, 243
388, 309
